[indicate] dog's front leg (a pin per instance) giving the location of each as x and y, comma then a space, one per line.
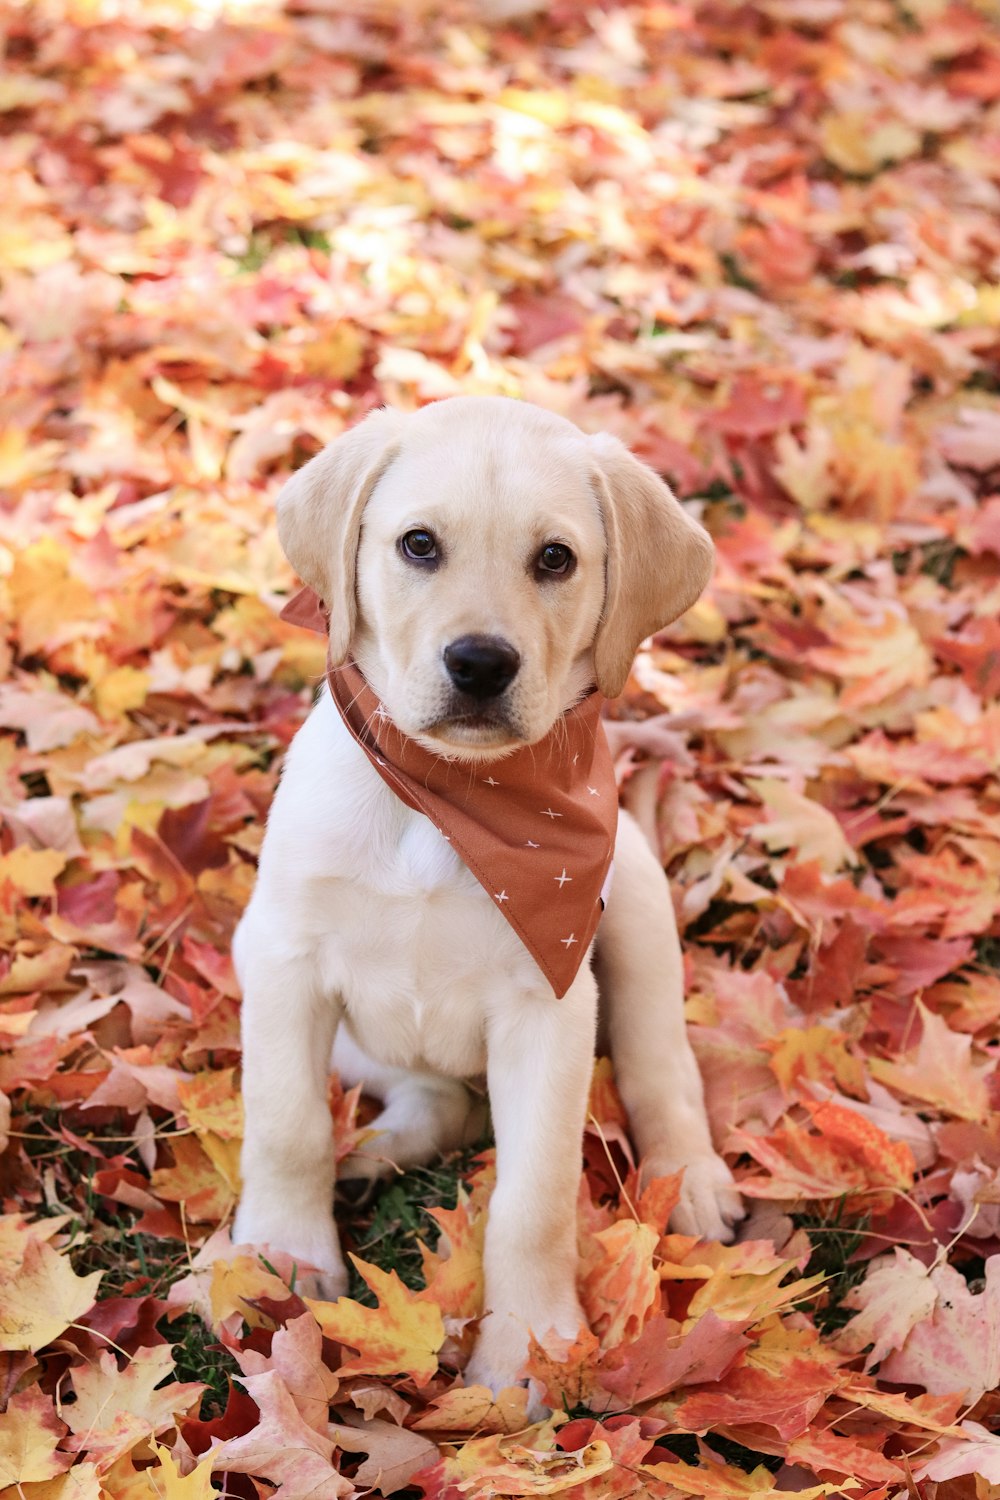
539, 1065
640, 971
287, 1163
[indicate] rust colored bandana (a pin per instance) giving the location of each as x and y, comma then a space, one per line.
536, 828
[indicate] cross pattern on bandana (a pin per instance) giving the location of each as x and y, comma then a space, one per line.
566, 778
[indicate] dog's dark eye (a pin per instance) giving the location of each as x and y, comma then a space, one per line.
418, 545
555, 558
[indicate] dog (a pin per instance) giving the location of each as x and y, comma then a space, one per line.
485, 565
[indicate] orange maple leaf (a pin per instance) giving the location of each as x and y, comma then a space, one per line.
401, 1336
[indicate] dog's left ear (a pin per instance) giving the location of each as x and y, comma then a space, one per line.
659, 559
319, 516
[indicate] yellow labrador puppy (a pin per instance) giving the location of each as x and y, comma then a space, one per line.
485, 565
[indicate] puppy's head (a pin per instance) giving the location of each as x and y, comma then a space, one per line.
486, 563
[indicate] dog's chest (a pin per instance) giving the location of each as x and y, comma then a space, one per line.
419, 953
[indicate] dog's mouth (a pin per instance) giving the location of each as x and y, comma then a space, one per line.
478, 729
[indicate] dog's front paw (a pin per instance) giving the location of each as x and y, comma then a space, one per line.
501, 1351
312, 1243
482, 1369
710, 1206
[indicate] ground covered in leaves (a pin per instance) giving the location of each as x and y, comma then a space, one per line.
761, 244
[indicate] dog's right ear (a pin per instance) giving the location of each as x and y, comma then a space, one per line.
319, 516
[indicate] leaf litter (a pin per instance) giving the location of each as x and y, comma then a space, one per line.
762, 245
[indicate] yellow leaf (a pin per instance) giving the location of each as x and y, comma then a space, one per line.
453, 1271
42, 1298
403, 1334
23, 461
736, 1297
337, 354
856, 143
549, 106
49, 603
32, 872
723, 1482
166, 1482
804, 469
121, 690
212, 1103
499, 1466
814, 1052
195, 1180
81, 1482
237, 1282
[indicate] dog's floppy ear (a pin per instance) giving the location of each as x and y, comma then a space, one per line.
659, 559
319, 516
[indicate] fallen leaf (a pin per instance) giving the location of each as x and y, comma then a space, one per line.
403, 1334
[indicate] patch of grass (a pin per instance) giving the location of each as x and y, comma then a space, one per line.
735, 274
386, 1231
198, 1357
988, 953
833, 1242
102, 1237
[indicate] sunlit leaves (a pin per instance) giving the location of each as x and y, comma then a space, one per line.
763, 252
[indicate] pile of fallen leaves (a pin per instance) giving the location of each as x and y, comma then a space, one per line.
761, 243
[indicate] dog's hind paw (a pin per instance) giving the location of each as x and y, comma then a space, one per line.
710, 1206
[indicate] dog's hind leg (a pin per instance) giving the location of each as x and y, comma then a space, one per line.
424, 1115
639, 973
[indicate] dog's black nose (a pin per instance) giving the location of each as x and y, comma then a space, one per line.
481, 665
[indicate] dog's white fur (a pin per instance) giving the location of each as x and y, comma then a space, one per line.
368, 938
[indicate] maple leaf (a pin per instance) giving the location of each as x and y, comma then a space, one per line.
29, 1436
167, 1483
956, 1348
565, 1369
814, 1053
393, 1454
32, 872
848, 1153
826, 1452
502, 1466
619, 1286
786, 1397
942, 1072
282, 1447
297, 1356
719, 1481
116, 1408
453, 1270
404, 1333
894, 1297
42, 1297
474, 1408
799, 823
665, 1356
976, 1452
974, 440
